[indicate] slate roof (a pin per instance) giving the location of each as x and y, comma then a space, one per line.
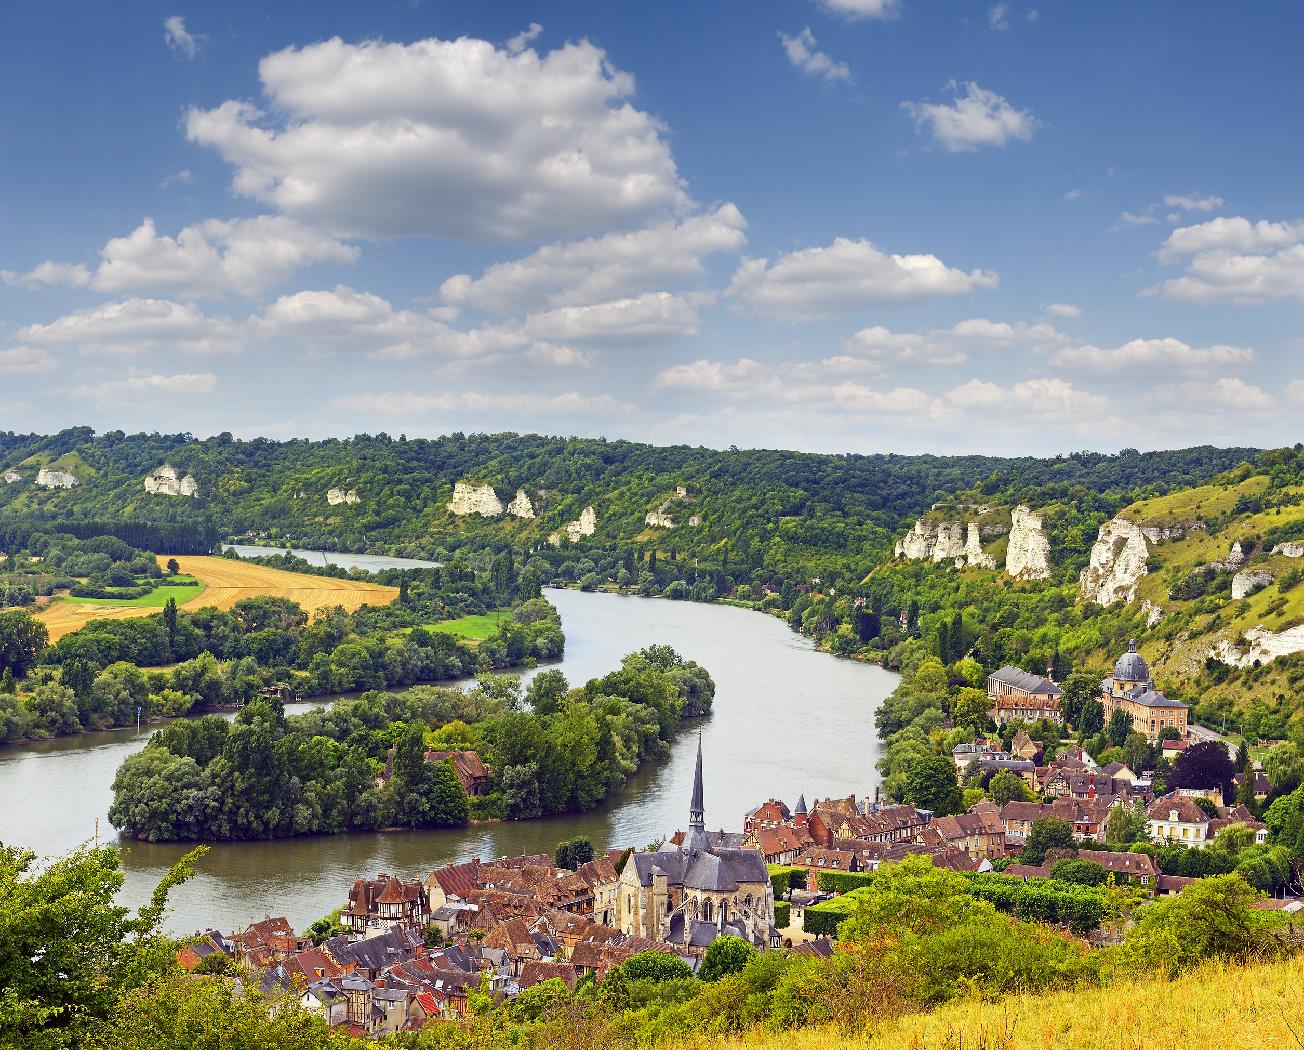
375, 952
721, 870
1131, 667
1151, 698
1026, 681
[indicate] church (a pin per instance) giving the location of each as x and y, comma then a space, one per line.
1131, 690
690, 894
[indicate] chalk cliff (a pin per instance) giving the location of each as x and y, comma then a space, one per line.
521, 507
660, 519
574, 531
1262, 646
1119, 555
11, 476
1247, 581
336, 497
1027, 556
973, 549
957, 542
1292, 549
470, 497
56, 479
167, 480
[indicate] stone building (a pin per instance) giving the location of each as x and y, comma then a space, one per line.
1020, 696
691, 893
1132, 691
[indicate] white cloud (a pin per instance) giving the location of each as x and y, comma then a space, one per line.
1192, 202
132, 388
26, 359
652, 316
454, 139
804, 55
704, 375
1235, 260
136, 326
184, 177
1295, 391
48, 274
496, 406
178, 38
998, 17
978, 118
523, 39
1072, 195
216, 257
1143, 218
599, 269
1166, 355
854, 10
846, 275
1044, 399
1227, 395
943, 346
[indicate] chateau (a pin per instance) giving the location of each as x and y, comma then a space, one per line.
690, 894
1132, 691
1019, 696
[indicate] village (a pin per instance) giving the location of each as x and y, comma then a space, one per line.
403, 952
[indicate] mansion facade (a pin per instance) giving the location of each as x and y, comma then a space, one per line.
1131, 690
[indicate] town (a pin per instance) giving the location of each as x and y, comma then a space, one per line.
400, 953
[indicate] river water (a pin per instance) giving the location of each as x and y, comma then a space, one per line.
787, 719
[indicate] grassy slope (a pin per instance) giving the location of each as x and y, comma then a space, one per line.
476, 627
1218, 1006
156, 599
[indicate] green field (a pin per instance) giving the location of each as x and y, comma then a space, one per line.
478, 627
156, 599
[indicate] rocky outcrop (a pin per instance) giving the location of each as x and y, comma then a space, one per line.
521, 507
1261, 646
695, 521
1118, 561
1292, 549
659, 519
56, 479
1247, 581
1028, 555
973, 549
338, 497
469, 497
167, 480
574, 531
1154, 614
11, 476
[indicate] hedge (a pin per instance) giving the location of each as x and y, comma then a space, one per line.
1081, 908
782, 915
785, 878
825, 918
843, 881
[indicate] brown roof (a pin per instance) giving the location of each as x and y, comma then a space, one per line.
1027, 871
1123, 863
535, 970
457, 879
598, 871
1187, 811
782, 839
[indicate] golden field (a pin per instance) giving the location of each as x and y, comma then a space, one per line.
1217, 1007
225, 583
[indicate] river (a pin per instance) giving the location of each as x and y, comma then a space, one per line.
787, 719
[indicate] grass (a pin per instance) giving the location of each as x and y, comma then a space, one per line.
477, 627
1200, 502
156, 599
1216, 1006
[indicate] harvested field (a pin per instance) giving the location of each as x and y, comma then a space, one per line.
225, 583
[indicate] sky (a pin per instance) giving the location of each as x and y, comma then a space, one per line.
828, 225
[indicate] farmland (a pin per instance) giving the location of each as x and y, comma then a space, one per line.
225, 582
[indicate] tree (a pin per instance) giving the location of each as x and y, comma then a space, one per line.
1204, 765
1047, 833
1008, 787
170, 621
1120, 725
1126, 824
571, 853
970, 707
1080, 688
546, 691
931, 784
1079, 870
173, 567
21, 641
1284, 767
724, 956
654, 965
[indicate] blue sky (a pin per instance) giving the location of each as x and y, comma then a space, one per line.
837, 225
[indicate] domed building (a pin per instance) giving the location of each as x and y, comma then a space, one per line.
1131, 690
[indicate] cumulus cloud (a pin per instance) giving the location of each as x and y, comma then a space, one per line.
455, 139
130, 389
178, 38
1064, 310
217, 257
977, 118
854, 10
804, 55
496, 406
137, 326
599, 269
705, 375
48, 274
944, 346
1154, 354
1229, 394
998, 17
1235, 260
1047, 398
1192, 202
1295, 391
846, 275
26, 359
1183, 202
652, 316
524, 38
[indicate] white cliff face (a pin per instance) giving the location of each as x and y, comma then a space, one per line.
585, 525
1264, 646
56, 479
471, 498
1028, 555
659, 519
1154, 614
1118, 561
1293, 549
917, 544
695, 521
973, 549
1248, 581
336, 497
11, 476
521, 507
167, 480
949, 542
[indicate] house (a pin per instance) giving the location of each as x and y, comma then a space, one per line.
204, 945
978, 834
1131, 690
535, 971
1130, 867
471, 772
603, 880
781, 845
1173, 818
271, 940
770, 814
1172, 749
325, 998
369, 956
1088, 818
1025, 770
1262, 787
1023, 746
963, 754
1019, 696
384, 901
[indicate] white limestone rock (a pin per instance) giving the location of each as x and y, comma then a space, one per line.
470, 497
659, 519
695, 521
1154, 614
973, 549
1247, 581
12, 476
337, 497
574, 531
1292, 549
1027, 556
167, 480
917, 544
1118, 561
1263, 646
1235, 557
949, 544
56, 479
521, 507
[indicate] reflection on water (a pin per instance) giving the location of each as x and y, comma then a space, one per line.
786, 719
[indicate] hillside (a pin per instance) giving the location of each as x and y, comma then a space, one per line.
1216, 1005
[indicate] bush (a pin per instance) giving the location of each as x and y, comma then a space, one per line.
843, 881
782, 915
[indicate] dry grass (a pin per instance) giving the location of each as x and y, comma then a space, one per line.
1216, 1007
225, 583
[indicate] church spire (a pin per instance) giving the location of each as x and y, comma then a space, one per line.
697, 810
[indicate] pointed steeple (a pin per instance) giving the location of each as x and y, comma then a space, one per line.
801, 803
697, 810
